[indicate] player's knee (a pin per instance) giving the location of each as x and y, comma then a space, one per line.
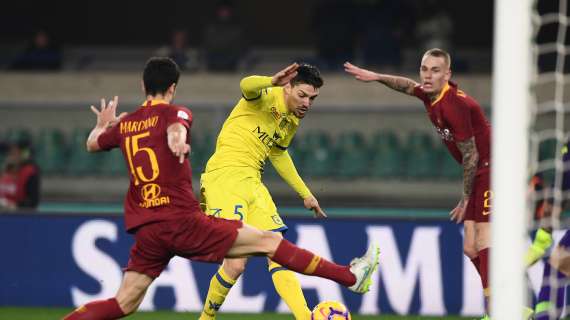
482, 243
470, 250
128, 306
234, 268
270, 242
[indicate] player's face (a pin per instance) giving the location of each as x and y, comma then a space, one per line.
300, 98
434, 74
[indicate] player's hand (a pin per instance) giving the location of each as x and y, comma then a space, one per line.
107, 115
179, 149
283, 77
458, 214
311, 203
359, 73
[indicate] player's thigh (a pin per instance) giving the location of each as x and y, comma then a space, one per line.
483, 197
482, 235
226, 194
252, 241
263, 213
132, 290
469, 239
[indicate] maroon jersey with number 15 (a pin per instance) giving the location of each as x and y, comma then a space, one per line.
458, 117
160, 186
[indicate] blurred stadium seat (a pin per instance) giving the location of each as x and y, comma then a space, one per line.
353, 160
51, 151
386, 154
18, 135
319, 154
113, 163
449, 169
203, 147
421, 156
82, 162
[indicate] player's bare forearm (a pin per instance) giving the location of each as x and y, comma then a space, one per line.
177, 135
401, 84
91, 143
470, 155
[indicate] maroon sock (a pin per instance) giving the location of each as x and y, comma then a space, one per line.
484, 269
97, 310
305, 262
476, 262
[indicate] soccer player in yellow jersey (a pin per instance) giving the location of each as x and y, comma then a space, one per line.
260, 126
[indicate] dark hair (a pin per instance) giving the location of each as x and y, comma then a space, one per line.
159, 74
308, 74
439, 53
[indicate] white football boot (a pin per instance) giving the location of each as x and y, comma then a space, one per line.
363, 268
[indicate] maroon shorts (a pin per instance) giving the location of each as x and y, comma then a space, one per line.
479, 207
193, 236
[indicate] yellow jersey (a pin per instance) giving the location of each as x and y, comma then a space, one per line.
254, 126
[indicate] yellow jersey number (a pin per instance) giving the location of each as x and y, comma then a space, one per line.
132, 148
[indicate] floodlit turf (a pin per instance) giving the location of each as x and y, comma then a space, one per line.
58, 313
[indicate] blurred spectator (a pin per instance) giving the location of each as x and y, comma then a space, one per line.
334, 24
434, 27
382, 25
41, 54
223, 41
177, 50
20, 179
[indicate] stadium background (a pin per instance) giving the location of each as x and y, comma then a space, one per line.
369, 154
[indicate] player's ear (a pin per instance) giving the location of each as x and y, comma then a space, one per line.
142, 87
448, 74
172, 89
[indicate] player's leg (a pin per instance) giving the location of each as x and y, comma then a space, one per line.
469, 248
263, 215
289, 289
356, 276
220, 285
224, 195
483, 243
480, 211
127, 300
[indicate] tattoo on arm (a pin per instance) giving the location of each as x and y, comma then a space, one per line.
470, 160
401, 84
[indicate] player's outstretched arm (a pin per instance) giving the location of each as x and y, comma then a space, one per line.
177, 134
401, 84
251, 86
106, 117
285, 167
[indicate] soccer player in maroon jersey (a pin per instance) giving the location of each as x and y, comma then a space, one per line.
466, 132
162, 212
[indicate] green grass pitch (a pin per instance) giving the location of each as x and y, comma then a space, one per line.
58, 313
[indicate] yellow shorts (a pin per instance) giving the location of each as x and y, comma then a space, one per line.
238, 194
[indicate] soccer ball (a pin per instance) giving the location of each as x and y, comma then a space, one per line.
330, 310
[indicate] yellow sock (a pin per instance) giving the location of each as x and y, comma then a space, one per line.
289, 288
220, 285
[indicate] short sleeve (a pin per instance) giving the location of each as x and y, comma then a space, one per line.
419, 92
458, 117
180, 115
110, 139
